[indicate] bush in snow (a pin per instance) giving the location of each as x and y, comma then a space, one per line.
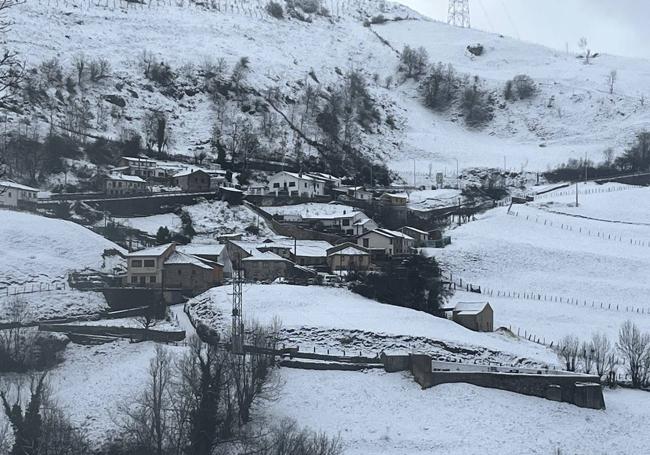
308, 6
414, 61
439, 87
477, 104
476, 50
275, 10
525, 86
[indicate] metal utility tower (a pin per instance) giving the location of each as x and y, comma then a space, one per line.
237, 334
458, 13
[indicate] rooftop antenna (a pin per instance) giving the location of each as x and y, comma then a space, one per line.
237, 341
458, 13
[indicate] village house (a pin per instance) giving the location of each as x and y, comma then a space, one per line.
215, 252
141, 167
476, 316
340, 222
394, 199
166, 268
364, 225
348, 257
360, 193
122, 185
14, 194
193, 180
286, 183
266, 266
386, 242
420, 236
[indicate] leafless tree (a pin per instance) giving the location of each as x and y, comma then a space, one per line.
99, 69
611, 80
584, 46
12, 70
568, 350
157, 131
634, 347
80, 65
414, 61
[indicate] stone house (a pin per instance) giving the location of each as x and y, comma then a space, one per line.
420, 236
215, 252
348, 257
394, 199
14, 194
193, 180
166, 268
476, 316
266, 267
124, 185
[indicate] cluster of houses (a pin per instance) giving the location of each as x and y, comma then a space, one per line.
134, 175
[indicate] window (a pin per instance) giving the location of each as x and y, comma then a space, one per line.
152, 279
134, 279
149, 263
9, 193
276, 185
136, 263
305, 185
346, 222
366, 243
143, 280
292, 183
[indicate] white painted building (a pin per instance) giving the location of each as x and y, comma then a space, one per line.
391, 242
121, 185
295, 184
12, 194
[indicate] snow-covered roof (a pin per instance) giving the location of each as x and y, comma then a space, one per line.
349, 251
268, 256
469, 308
298, 176
305, 248
391, 234
154, 251
396, 195
138, 160
125, 178
179, 258
186, 172
18, 186
213, 249
362, 222
419, 231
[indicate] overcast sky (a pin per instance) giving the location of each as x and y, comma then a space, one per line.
611, 26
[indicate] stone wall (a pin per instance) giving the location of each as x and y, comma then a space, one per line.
581, 390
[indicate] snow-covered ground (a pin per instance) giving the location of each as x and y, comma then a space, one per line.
36, 249
431, 199
151, 224
213, 218
55, 304
310, 312
555, 256
375, 412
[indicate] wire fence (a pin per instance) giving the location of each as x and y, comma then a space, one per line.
535, 296
572, 192
32, 288
611, 236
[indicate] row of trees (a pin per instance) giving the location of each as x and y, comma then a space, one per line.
599, 355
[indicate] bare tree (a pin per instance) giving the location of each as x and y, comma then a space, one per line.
634, 347
568, 350
414, 61
157, 131
584, 46
80, 65
99, 69
611, 80
12, 70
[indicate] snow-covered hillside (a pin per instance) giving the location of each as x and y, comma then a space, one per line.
572, 115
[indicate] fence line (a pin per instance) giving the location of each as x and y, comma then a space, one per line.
534, 296
585, 192
32, 288
529, 336
582, 230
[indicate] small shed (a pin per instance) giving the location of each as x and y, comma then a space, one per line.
476, 316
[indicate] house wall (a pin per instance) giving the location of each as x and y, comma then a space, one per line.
376, 242
265, 270
481, 322
120, 187
195, 182
295, 186
345, 262
192, 277
10, 196
139, 275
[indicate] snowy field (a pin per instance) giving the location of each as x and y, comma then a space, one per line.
383, 413
55, 304
151, 224
36, 249
570, 258
213, 218
431, 199
314, 310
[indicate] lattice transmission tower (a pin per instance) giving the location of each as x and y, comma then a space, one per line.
237, 334
458, 13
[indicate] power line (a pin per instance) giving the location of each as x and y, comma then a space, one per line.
458, 13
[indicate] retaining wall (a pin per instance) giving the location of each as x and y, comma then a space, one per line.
124, 332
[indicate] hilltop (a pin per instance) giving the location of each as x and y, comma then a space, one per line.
309, 56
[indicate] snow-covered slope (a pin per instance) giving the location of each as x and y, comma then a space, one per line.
36, 249
572, 114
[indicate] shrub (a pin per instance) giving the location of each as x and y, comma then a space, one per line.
275, 10
477, 104
414, 61
99, 69
476, 50
378, 19
308, 6
525, 86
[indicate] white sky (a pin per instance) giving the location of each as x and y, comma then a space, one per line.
619, 27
